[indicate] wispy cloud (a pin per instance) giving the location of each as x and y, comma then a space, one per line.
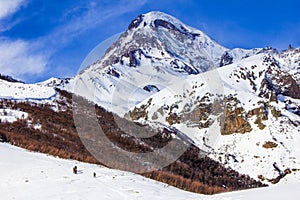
18, 59
8, 7
95, 14
21, 58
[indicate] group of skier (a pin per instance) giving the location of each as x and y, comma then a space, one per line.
75, 171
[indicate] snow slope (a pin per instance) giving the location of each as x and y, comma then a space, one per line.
189, 109
27, 175
22, 91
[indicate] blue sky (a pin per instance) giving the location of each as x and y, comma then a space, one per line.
44, 38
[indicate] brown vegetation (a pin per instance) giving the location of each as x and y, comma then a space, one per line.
58, 136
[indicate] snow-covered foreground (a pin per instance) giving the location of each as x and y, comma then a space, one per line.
27, 175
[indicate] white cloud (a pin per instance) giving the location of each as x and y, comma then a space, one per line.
8, 7
18, 59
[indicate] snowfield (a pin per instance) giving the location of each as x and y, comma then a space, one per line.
21, 91
27, 175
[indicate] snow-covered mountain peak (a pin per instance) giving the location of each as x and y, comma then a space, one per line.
161, 36
155, 17
155, 50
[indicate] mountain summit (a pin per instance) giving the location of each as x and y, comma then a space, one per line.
161, 36
154, 52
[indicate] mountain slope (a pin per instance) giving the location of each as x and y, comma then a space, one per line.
17, 90
249, 123
155, 50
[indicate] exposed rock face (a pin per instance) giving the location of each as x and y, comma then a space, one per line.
171, 27
226, 59
136, 22
282, 82
234, 120
113, 72
197, 114
132, 60
201, 115
139, 113
270, 145
261, 114
151, 88
9, 79
176, 64
173, 118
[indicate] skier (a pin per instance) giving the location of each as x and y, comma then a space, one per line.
75, 170
94, 174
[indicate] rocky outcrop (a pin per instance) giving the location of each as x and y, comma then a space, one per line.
261, 114
132, 60
151, 88
233, 120
176, 64
281, 82
136, 22
9, 79
139, 112
172, 27
270, 145
226, 59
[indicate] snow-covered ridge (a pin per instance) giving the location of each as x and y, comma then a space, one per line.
290, 62
22, 91
55, 82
